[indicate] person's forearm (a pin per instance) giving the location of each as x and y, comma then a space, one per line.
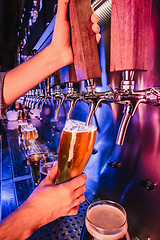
27, 75
19, 225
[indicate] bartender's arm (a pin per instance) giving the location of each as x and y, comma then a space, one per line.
55, 56
47, 203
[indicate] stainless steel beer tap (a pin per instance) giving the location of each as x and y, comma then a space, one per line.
126, 95
40, 99
36, 96
59, 100
28, 99
31, 98
47, 91
131, 98
92, 98
72, 96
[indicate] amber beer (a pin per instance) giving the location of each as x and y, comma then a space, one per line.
30, 133
75, 148
21, 126
107, 220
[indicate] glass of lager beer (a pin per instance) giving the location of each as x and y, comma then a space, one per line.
21, 125
30, 134
75, 148
106, 220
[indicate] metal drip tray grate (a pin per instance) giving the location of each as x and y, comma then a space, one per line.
65, 228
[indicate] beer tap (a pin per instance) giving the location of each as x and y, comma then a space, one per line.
131, 99
72, 96
36, 96
25, 99
28, 98
31, 98
59, 100
127, 96
129, 51
47, 91
40, 98
92, 98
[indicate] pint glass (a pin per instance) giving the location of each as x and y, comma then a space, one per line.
21, 126
75, 148
106, 220
30, 134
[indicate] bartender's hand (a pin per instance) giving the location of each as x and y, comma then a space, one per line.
51, 201
61, 34
47, 203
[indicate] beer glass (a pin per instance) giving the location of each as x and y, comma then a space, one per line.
75, 148
30, 134
21, 125
33, 161
106, 220
20, 129
45, 167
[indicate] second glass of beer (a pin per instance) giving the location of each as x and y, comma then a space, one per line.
75, 148
107, 220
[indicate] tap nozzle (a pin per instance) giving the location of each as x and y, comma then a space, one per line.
92, 98
124, 124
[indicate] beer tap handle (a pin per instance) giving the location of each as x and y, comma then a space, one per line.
83, 40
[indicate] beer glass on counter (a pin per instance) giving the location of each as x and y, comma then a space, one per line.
44, 169
106, 220
21, 126
30, 134
45, 166
75, 148
34, 161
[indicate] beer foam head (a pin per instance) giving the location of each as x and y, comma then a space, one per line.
78, 126
30, 127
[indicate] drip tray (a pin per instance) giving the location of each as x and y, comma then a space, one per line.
64, 228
